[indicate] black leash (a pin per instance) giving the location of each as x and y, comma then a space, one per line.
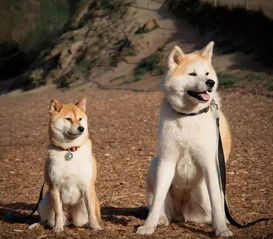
222, 169
39, 200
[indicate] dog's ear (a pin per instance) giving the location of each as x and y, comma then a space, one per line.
82, 104
207, 51
175, 57
55, 106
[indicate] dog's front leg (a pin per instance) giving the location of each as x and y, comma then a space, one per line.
91, 203
58, 209
165, 174
212, 182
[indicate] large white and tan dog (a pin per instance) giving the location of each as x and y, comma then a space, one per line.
182, 180
70, 170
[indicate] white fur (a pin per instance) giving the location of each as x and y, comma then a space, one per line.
72, 178
182, 182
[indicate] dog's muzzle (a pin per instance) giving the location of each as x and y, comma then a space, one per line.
201, 96
210, 83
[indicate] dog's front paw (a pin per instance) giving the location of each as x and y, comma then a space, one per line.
224, 233
144, 230
58, 229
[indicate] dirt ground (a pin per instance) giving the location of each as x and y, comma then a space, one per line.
123, 129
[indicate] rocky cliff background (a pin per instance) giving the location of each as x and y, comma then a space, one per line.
124, 43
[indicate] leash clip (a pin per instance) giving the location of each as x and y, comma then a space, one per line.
214, 104
214, 109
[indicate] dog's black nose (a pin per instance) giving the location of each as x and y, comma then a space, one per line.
81, 129
210, 83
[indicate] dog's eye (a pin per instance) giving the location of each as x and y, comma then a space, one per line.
207, 73
68, 118
192, 74
80, 119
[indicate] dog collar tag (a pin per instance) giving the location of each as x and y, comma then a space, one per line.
68, 155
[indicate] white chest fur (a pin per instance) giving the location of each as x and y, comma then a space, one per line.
192, 139
73, 176
196, 131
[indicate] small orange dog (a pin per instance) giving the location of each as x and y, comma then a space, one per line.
70, 170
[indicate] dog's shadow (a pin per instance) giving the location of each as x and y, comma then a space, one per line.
192, 228
20, 213
17, 213
118, 215
112, 214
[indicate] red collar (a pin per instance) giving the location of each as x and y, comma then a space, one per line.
72, 149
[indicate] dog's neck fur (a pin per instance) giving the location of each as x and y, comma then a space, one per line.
64, 143
188, 108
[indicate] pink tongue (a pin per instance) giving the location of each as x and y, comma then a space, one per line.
204, 96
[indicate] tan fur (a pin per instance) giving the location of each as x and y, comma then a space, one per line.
94, 213
97, 204
65, 110
81, 205
225, 135
188, 60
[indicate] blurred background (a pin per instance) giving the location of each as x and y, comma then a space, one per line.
259, 5
68, 43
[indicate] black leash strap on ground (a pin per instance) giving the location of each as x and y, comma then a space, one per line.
222, 169
39, 200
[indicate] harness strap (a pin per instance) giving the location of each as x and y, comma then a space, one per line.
222, 179
39, 200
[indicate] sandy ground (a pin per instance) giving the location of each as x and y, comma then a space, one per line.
123, 129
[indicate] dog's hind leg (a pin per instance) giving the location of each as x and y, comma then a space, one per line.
197, 207
150, 181
47, 213
34, 225
165, 212
79, 214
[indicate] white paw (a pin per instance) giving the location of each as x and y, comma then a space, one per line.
95, 227
224, 233
58, 228
144, 230
163, 221
33, 226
